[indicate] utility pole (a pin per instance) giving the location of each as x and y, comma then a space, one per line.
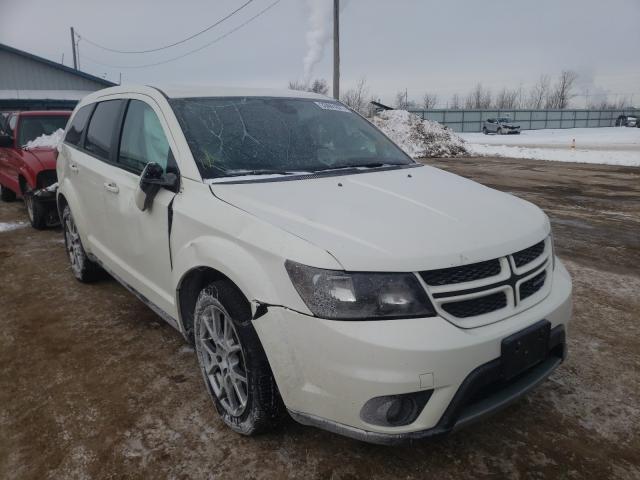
336, 49
73, 49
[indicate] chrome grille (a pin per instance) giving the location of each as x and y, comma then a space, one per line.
484, 292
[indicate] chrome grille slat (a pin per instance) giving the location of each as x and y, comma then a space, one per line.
528, 255
465, 273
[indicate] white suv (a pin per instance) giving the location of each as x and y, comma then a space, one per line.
317, 269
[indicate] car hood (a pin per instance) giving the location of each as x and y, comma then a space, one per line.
398, 220
44, 157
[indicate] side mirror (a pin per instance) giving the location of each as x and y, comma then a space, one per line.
6, 141
152, 179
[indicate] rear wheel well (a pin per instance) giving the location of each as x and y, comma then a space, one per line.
189, 289
62, 202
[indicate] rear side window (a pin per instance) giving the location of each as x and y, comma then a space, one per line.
143, 139
101, 128
78, 124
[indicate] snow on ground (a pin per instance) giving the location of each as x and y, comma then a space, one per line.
419, 138
8, 226
607, 145
47, 141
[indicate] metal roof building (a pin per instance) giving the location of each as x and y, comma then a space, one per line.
29, 82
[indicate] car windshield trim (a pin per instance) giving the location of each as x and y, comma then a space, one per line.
305, 175
263, 136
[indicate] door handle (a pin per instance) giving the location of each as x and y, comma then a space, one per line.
73, 167
111, 187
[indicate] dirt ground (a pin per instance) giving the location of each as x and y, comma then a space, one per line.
94, 385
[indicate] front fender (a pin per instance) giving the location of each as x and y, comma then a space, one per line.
260, 276
29, 174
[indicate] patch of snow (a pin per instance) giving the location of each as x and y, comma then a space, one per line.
7, 227
47, 141
606, 157
563, 137
419, 138
606, 145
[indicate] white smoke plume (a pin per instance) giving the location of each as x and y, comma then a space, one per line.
319, 34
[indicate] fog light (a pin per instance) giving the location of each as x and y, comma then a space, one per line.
395, 410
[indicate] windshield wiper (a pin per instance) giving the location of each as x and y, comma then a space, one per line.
361, 165
242, 173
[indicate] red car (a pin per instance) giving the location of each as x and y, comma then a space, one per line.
29, 171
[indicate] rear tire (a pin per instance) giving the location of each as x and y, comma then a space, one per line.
82, 267
485, 131
7, 195
499, 132
233, 363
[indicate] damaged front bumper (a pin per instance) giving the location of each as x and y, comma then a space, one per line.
327, 371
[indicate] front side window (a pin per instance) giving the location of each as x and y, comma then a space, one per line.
32, 127
78, 124
143, 139
101, 128
229, 136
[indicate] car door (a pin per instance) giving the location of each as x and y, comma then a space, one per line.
88, 168
139, 246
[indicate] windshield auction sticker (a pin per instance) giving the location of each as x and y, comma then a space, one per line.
336, 107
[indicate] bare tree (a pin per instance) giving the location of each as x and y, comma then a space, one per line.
455, 102
478, 98
429, 101
507, 98
402, 101
319, 85
562, 92
357, 97
539, 93
298, 85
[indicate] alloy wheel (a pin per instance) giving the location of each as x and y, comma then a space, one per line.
28, 201
73, 244
223, 359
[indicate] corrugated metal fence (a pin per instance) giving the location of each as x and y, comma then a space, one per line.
471, 120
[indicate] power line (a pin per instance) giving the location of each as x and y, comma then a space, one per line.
215, 40
171, 44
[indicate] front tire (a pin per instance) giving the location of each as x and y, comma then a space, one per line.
7, 195
37, 211
233, 363
82, 267
499, 132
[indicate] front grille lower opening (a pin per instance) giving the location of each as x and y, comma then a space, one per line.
476, 306
532, 285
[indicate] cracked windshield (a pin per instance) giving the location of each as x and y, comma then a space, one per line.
232, 137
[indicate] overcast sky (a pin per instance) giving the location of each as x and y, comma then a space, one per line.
421, 45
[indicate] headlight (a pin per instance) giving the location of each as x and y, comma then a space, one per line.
339, 295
